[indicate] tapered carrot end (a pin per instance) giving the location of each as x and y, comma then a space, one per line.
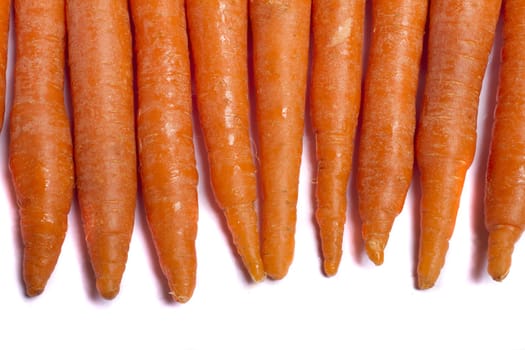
498, 270
331, 235
427, 274
108, 287
243, 224
277, 248
182, 284
375, 250
277, 272
36, 277
278, 251
376, 231
257, 273
41, 253
330, 267
34, 289
182, 299
500, 248
180, 272
425, 282
433, 249
182, 294
108, 253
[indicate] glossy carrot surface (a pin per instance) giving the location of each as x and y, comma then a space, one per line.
461, 34
218, 32
386, 147
281, 39
505, 182
40, 146
165, 139
335, 99
101, 74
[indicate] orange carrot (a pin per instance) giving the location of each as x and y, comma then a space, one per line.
218, 33
100, 59
461, 33
505, 182
40, 149
165, 138
386, 155
280, 32
337, 42
5, 9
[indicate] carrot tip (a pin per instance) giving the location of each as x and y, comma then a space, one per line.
33, 291
499, 277
259, 277
425, 283
256, 272
35, 282
498, 269
375, 251
276, 266
500, 248
108, 289
330, 267
277, 273
181, 298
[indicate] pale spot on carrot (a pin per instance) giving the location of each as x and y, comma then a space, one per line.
284, 112
342, 33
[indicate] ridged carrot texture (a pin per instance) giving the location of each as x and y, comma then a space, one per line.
386, 147
40, 149
101, 74
335, 97
505, 182
461, 33
280, 34
5, 10
165, 138
218, 33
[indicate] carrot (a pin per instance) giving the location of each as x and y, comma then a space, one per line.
505, 183
5, 9
218, 33
100, 60
386, 156
40, 146
337, 45
461, 33
280, 32
165, 138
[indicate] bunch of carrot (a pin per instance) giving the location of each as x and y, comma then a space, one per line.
115, 138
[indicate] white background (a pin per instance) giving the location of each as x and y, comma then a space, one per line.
362, 307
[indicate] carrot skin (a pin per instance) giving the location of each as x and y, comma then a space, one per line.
337, 45
40, 146
505, 182
5, 11
165, 139
280, 34
218, 32
100, 61
385, 155
461, 34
